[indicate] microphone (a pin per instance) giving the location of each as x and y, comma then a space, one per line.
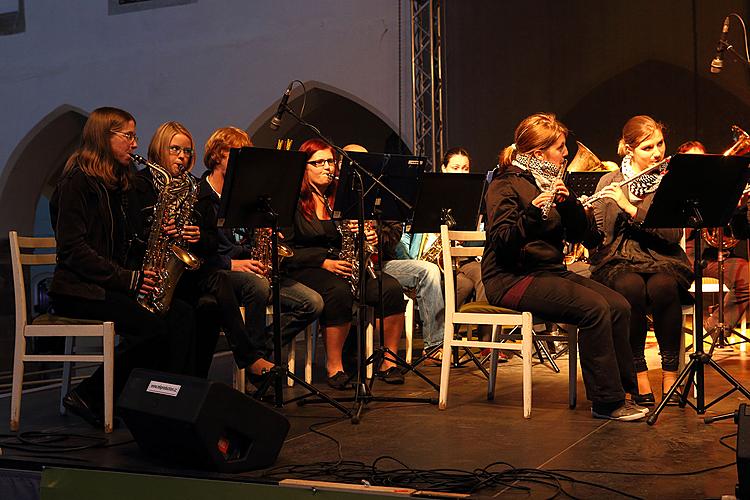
276, 120
718, 62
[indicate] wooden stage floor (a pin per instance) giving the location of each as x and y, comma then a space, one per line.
647, 461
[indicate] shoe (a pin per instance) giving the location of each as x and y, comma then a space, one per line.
644, 399
257, 379
674, 400
434, 358
74, 403
339, 381
638, 407
625, 413
392, 375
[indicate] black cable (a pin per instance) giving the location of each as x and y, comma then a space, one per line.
34, 441
727, 436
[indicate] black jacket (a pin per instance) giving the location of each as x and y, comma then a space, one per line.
519, 242
91, 225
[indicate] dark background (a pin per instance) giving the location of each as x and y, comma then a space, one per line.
594, 64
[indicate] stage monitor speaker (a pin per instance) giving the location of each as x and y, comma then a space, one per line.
201, 424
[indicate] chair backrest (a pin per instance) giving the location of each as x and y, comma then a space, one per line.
449, 240
21, 254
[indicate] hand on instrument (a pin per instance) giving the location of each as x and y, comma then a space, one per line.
191, 234
371, 236
149, 282
615, 193
542, 199
249, 266
340, 267
560, 189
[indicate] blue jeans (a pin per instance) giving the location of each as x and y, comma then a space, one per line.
300, 305
425, 278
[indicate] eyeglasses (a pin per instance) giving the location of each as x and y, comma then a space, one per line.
130, 136
322, 163
175, 150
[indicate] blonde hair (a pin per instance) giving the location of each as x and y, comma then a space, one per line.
221, 141
536, 132
94, 156
158, 149
636, 130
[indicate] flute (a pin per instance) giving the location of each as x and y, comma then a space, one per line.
548, 205
598, 195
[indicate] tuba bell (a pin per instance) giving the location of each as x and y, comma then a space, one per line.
741, 144
586, 161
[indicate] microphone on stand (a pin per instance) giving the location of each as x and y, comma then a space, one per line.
718, 61
276, 120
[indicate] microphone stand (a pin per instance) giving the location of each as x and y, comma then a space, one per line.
362, 394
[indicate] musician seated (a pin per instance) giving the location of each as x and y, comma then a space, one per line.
194, 228
647, 266
737, 300
317, 262
419, 277
237, 249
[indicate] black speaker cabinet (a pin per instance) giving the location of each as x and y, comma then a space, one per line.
198, 423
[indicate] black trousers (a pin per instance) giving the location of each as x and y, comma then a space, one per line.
603, 319
146, 340
658, 293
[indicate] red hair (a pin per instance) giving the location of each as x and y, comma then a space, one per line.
306, 201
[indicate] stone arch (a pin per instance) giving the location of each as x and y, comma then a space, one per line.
341, 116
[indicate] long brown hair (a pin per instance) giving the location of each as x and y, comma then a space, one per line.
306, 201
94, 156
158, 149
636, 130
536, 132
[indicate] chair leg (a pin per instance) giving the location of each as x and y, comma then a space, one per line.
409, 329
238, 378
311, 333
445, 367
526, 345
492, 376
369, 332
65, 380
108, 347
291, 360
17, 385
572, 366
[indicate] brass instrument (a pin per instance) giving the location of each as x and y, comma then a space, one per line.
431, 247
711, 235
660, 166
165, 255
350, 253
262, 250
585, 161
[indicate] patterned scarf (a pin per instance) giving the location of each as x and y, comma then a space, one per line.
644, 184
543, 171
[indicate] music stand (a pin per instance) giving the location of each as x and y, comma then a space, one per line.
698, 191
455, 200
261, 189
584, 183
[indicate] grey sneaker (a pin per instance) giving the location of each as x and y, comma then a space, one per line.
638, 407
626, 413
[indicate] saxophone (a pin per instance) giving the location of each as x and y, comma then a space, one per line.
167, 257
262, 250
434, 252
350, 253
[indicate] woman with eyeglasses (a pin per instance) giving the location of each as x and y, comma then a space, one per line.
94, 215
317, 263
523, 269
208, 289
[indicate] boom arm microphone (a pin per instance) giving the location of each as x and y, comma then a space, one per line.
276, 120
718, 61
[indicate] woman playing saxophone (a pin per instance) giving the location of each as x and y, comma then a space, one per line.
317, 262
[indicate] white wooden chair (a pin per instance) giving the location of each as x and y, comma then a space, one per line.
48, 325
500, 318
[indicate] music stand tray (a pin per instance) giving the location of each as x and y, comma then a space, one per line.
584, 183
461, 194
261, 189
698, 191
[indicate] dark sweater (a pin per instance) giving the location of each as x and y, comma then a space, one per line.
519, 242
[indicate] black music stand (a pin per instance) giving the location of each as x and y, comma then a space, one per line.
698, 191
261, 189
454, 200
584, 183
